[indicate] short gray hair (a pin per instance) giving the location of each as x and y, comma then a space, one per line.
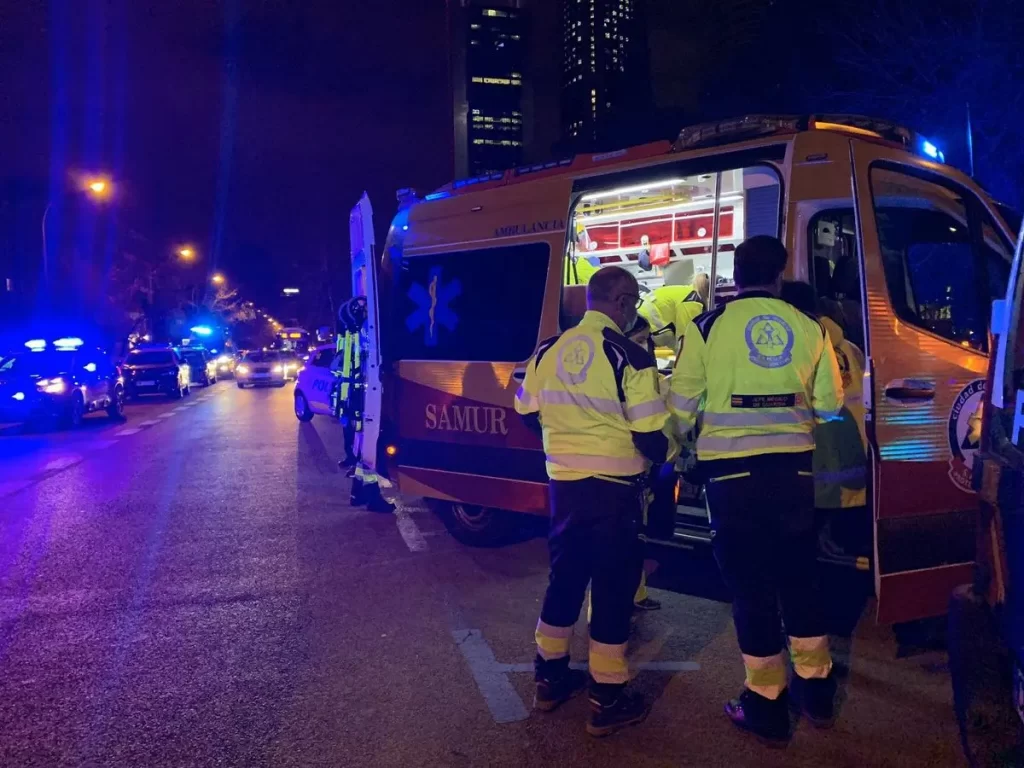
607, 283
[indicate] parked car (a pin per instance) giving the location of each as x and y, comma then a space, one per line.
226, 362
202, 367
156, 371
314, 384
59, 384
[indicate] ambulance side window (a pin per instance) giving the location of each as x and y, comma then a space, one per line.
943, 266
478, 305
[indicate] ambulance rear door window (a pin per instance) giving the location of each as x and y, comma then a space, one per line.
479, 305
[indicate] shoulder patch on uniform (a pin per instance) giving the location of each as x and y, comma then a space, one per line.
638, 357
693, 296
545, 346
705, 320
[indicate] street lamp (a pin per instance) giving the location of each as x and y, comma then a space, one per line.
97, 188
187, 253
217, 279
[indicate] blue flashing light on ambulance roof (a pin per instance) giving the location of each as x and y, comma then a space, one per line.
36, 345
201, 330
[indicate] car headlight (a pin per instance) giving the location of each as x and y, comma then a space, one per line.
290, 367
277, 369
53, 386
243, 369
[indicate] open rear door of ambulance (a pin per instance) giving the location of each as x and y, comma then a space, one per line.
364, 283
932, 259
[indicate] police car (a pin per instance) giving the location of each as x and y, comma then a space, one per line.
314, 383
59, 381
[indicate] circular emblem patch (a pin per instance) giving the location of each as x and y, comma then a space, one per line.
577, 357
770, 341
965, 433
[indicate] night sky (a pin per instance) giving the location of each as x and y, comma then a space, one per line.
247, 127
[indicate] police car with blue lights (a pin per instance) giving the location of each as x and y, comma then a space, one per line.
59, 382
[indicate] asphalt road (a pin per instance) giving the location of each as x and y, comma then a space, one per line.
190, 588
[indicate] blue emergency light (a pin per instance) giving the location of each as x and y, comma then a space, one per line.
36, 345
201, 330
68, 343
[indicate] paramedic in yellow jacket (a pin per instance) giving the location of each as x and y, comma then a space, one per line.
670, 308
760, 373
594, 396
840, 446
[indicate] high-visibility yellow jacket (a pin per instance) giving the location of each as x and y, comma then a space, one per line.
840, 451
578, 273
593, 388
669, 309
761, 372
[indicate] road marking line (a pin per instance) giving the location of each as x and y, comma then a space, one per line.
175, 410
149, 423
499, 694
127, 432
62, 463
411, 533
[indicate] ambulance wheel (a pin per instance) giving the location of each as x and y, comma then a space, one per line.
302, 410
981, 672
478, 526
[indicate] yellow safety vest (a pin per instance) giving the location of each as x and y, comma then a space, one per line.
761, 372
669, 309
840, 452
578, 273
593, 388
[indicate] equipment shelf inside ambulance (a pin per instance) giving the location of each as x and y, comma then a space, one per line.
692, 224
646, 227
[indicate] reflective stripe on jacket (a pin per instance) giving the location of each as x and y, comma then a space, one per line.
593, 388
761, 372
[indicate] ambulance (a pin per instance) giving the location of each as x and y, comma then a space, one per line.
906, 250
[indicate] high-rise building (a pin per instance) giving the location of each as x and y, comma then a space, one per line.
604, 66
489, 89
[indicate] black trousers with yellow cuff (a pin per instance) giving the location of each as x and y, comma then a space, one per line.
765, 542
594, 539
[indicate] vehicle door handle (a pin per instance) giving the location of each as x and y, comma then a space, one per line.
910, 389
519, 375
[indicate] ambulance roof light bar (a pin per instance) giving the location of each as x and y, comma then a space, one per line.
753, 126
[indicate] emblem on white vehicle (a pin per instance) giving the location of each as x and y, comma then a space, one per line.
965, 433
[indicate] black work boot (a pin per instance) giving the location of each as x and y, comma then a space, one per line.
374, 500
358, 497
349, 461
612, 708
556, 684
767, 719
817, 699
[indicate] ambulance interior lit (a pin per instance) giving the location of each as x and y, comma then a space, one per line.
689, 223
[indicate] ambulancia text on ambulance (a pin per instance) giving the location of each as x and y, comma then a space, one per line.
906, 251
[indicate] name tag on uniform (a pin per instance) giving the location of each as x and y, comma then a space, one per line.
767, 401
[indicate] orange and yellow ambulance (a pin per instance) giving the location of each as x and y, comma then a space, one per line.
906, 251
